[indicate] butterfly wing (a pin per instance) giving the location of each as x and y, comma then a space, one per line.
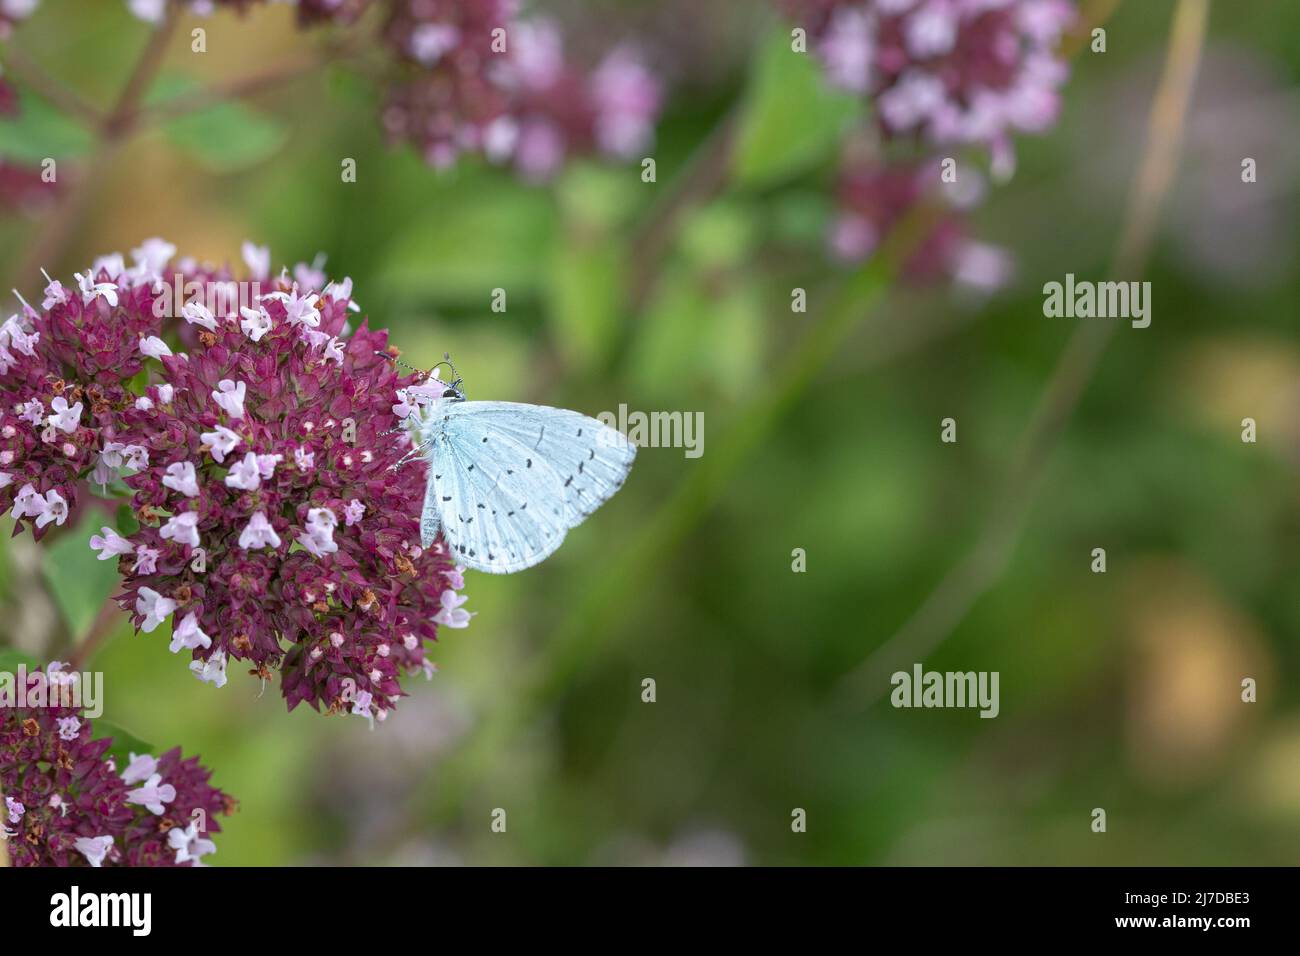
430, 516
500, 507
591, 459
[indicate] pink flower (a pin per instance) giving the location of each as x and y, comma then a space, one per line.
627, 100
182, 528
154, 347
196, 313
246, 475
212, 671
255, 323
52, 508
953, 72
140, 768
190, 844
188, 634
230, 397
69, 728
63, 417
221, 441
153, 608
482, 81
182, 477
452, 615
146, 560
110, 544
94, 849
318, 537
353, 511
258, 533
153, 795
258, 260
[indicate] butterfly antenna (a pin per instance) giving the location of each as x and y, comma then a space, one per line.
446, 356
405, 365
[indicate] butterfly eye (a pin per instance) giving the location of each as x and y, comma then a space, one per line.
451, 393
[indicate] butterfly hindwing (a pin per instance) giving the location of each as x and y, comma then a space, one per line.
590, 459
430, 519
497, 512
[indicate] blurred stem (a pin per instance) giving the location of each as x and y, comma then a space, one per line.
30, 74
980, 569
36, 622
122, 118
704, 173
268, 79
52, 241
592, 626
243, 86
101, 629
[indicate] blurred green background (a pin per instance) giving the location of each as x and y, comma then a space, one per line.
1118, 690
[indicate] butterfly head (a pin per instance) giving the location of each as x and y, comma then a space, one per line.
452, 392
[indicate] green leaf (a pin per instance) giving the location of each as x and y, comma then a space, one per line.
469, 243
225, 137
127, 523
791, 120
125, 743
11, 660
669, 348
78, 581
585, 293
40, 132
722, 235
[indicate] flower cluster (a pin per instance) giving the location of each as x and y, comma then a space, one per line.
270, 520
67, 803
948, 72
482, 80
470, 76
873, 200
940, 74
65, 372
309, 11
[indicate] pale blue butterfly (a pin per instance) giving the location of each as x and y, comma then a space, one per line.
508, 480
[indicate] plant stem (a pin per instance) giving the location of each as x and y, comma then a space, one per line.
705, 172
52, 241
122, 117
30, 74
980, 569
100, 629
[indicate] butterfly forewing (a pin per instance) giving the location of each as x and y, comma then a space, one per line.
590, 459
497, 512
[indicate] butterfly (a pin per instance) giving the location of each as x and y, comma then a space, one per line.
508, 480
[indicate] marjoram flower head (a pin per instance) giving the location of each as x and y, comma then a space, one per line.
478, 79
67, 802
949, 72
257, 444
471, 77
